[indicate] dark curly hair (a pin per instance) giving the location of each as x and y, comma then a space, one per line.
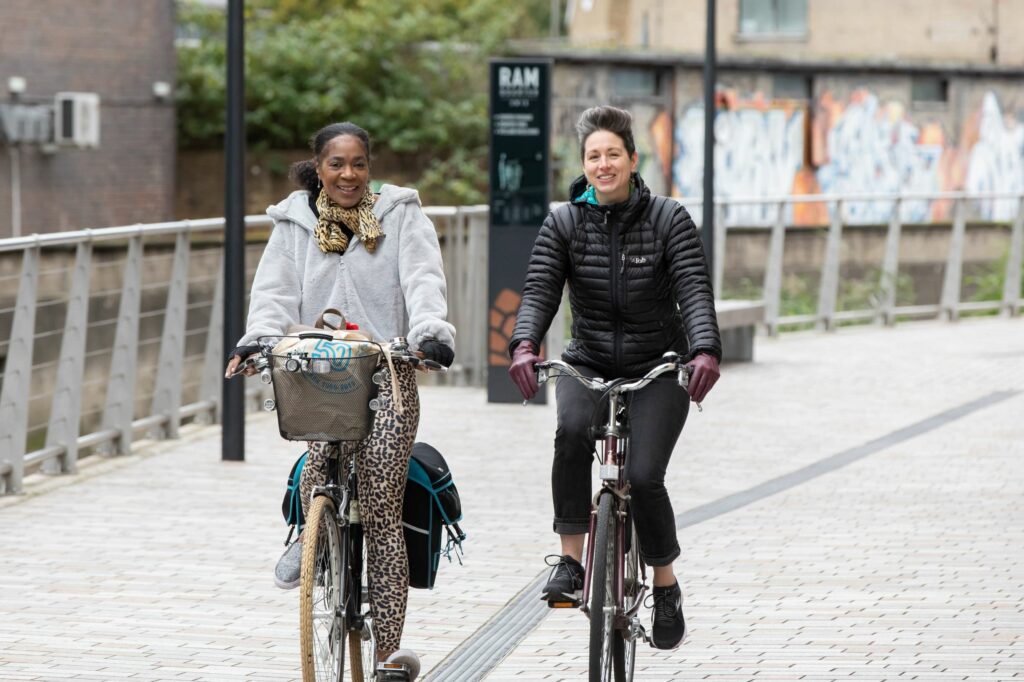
303, 173
612, 119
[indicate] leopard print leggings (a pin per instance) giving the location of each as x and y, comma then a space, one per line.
382, 464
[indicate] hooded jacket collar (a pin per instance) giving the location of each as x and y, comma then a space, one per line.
295, 207
625, 211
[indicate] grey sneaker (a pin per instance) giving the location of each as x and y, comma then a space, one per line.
409, 659
289, 566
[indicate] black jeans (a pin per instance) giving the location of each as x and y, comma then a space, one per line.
656, 417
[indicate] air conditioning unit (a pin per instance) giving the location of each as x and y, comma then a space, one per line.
77, 119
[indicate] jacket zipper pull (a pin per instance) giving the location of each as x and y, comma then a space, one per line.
622, 262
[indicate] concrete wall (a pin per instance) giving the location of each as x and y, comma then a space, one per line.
577, 88
116, 48
972, 31
858, 131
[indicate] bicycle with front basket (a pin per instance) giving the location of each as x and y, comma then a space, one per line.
334, 610
615, 579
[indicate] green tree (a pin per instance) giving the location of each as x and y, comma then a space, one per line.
412, 72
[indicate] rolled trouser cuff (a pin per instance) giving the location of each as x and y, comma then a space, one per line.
663, 560
571, 526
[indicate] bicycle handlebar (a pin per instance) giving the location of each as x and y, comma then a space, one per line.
673, 363
399, 351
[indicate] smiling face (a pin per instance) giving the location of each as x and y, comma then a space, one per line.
608, 166
344, 170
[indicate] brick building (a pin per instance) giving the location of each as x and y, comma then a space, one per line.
813, 96
122, 50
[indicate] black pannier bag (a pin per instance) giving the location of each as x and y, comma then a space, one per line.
291, 505
431, 508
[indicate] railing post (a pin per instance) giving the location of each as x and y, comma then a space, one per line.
214, 360
458, 284
773, 271
450, 233
950, 304
120, 403
1011, 285
475, 337
719, 241
890, 267
66, 406
829, 288
167, 390
18, 375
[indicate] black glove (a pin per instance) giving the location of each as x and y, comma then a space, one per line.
244, 351
438, 352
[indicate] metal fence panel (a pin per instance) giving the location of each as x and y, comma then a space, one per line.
18, 376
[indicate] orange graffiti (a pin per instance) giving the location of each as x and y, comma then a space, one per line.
661, 135
502, 322
812, 213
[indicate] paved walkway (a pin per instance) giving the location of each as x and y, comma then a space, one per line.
889, 543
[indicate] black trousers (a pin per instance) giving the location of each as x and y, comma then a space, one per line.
656, 416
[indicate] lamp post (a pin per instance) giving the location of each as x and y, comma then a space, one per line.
708, 224
233, 394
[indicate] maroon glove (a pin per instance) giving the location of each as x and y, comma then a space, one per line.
524, 357
703, 375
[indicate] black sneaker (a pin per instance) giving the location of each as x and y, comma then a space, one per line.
668, 626
566, 579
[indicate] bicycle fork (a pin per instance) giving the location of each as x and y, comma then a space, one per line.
613, 483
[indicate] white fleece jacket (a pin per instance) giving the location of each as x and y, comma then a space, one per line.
399, 290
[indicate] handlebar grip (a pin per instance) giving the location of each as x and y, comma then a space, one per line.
433, 365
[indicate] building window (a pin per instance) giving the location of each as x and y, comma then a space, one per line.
929, 89
773, 17
631, 83
791, 86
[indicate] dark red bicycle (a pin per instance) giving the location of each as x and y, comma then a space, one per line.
615, 581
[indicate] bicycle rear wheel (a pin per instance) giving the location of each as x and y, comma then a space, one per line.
322, 594
606, 644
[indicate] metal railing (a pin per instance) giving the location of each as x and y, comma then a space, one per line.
44, 406
154, 382
886, 310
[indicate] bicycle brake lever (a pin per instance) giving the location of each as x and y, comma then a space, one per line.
433, 365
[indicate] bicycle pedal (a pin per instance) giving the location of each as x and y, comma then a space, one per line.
573, 604
392, 672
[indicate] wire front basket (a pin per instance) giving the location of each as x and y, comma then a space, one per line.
321, 398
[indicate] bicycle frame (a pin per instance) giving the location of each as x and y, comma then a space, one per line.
611, 457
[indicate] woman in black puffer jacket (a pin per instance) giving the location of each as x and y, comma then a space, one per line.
638, 287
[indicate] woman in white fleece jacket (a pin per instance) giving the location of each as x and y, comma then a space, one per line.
376, 258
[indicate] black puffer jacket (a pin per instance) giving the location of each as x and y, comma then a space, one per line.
638, 283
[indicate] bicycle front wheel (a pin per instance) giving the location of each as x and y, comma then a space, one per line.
606, 644
322, 595
362, 642
634, 589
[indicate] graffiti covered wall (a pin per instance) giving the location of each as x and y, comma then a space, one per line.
847, 145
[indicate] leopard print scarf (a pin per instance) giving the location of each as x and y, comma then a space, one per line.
359, 219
